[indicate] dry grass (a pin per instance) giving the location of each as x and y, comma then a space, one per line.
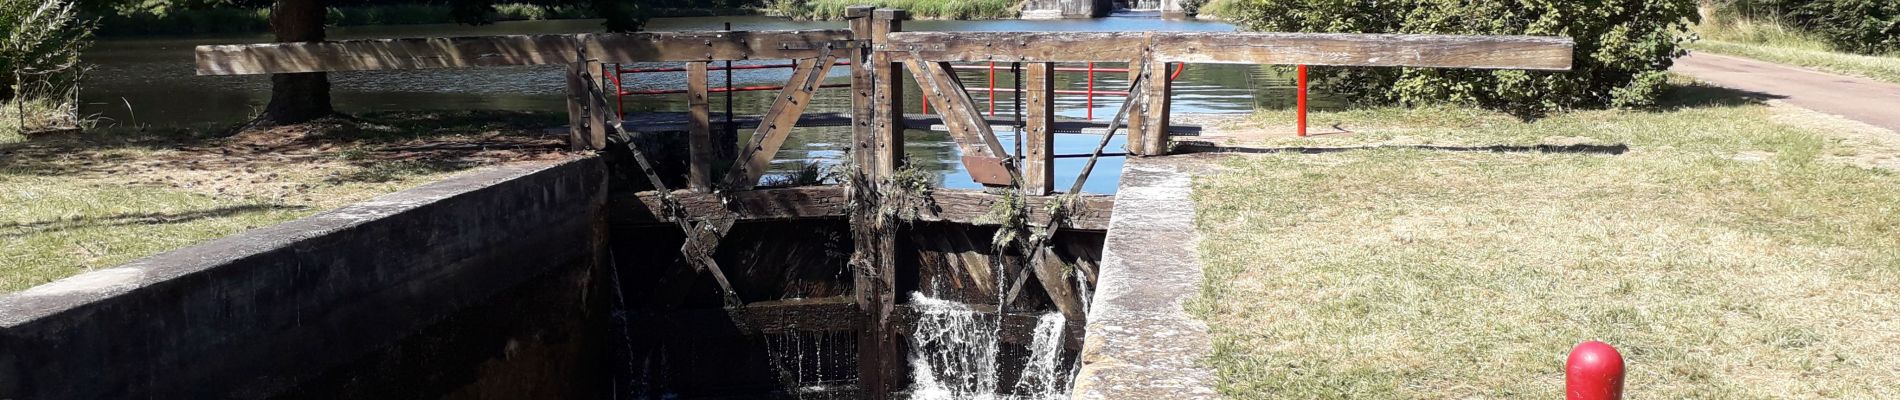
73, 203
1775, 43
1734, 252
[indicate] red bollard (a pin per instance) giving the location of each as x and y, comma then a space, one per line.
1302, 96
1594, 372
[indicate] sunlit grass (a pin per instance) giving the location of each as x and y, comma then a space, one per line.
1773, 42
71, 203
1727, 253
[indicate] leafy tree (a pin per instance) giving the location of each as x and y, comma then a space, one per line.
1623, 52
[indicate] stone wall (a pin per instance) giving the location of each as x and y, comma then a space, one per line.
483, 285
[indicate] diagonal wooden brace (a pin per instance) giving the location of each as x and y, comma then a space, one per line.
698, 250
779, 120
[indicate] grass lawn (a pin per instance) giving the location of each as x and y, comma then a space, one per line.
76, 202
1736, 250
1774, 43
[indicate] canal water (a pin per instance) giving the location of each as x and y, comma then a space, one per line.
150, 82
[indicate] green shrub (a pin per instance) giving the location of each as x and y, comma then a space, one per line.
1624, 48
40, 41
1861, 26
922, 9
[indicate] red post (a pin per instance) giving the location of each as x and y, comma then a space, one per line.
1091, 93
1302, 118
1594, 372
992, 88
620, 100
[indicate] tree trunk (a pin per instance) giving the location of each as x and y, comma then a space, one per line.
299, 97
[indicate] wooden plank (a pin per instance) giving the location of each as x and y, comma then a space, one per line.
887, 152
1137, 118
779, 121
819, 202
1148, 122
1342, 49
597, 108
577, 101
1054, 277
675, 122
983, 153
827, 314
1039, 135
874, 254
699, 140
488, 51
976, 263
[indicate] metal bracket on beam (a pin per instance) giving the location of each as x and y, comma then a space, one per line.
989, 171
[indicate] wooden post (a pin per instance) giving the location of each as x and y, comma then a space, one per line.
863, 90
1155, 143
888, 107
1136, 118
1148, 123
597, 108
699, 130
576, 108
877, 147
1039, 134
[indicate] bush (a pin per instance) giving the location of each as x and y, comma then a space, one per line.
1624, 48
921, 9
40, 42
1860, 26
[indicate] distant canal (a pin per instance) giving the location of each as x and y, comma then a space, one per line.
150, 81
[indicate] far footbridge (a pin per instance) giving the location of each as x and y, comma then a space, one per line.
1139, 278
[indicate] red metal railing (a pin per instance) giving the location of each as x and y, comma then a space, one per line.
621, 92
1089, 91
1089, 83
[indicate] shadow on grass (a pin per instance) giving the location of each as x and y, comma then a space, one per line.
388, 136
1607, 149
20, 229
1691, 95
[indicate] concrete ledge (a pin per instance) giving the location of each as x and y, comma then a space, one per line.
1141, 343
259, 313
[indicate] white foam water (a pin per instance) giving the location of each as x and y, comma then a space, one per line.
954, 356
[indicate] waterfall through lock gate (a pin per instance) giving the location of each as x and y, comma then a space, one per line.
956, 354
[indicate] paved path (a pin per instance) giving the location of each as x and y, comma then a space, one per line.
1860, 99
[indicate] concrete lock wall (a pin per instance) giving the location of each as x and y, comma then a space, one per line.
476, 286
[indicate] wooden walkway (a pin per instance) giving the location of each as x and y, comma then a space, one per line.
654, 122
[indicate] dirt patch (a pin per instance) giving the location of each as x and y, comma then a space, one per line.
289, 161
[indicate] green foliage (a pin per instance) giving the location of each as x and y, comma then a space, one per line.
1624, 48
1859, 26
809, 173
1212, 9
923, 9
40, 41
